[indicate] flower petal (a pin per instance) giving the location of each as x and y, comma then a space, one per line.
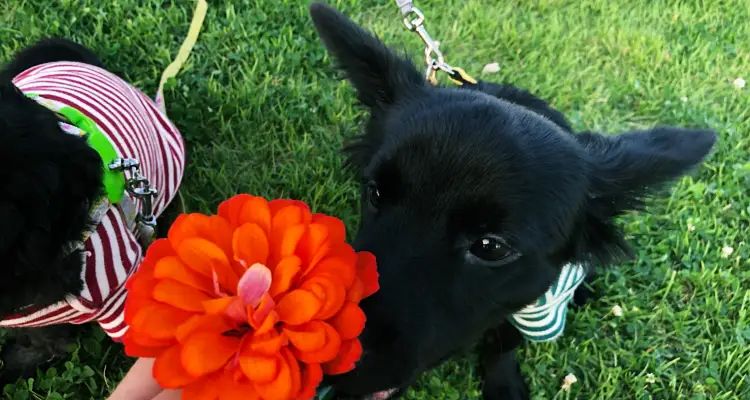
335, 266
206, 352
254, 284
280, 388
216, 324
327, 353
260, 368
159, 321
336, 228
277, 205
230, 307
139, 297
180, 296
313, 245
250, 245
160, 248
218, 306
294, 366
286, 384
298, 307
233, 389
168, 371
284, 274
308, 337
231, 208
312, 375
292, 236
268, 343
282, 221
334, 294
356, 292
367, 271
259, 315
173, 268
256, 211
135, 349
144, 340
213, 228
203, 389
268, 323
206, 258
219, 231
349, 354
186, 226
349, 322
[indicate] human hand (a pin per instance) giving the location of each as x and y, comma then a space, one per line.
139, 384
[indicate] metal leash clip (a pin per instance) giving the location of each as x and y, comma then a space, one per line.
414, 21
139, 187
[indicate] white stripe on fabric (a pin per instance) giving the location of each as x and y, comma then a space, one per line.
544, 320
112, 227
40, 313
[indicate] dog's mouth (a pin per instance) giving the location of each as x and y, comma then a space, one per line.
384, 395
390, 394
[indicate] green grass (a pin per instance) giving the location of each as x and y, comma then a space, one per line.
262, 114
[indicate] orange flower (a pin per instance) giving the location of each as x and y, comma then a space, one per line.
256, 302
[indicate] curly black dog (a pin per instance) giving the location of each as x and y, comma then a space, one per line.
473, 200
61, 263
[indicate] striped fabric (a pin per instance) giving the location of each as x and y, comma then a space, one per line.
544, 320
138, 129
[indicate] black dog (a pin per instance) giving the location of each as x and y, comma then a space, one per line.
473, 199
47, 192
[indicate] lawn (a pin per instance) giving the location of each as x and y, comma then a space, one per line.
261, 113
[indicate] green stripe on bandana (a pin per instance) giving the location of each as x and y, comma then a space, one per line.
544, 320
114, 181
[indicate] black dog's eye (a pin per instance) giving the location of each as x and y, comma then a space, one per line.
373, 195
492, 249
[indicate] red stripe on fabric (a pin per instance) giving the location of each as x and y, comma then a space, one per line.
56, 316
125, 260
118, 140
165, 187
174, 159
118, 99
109, 261
122, 142
28, 72
125, 90
91, 266
114, 303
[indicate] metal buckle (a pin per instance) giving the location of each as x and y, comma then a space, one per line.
139, 187
433, 57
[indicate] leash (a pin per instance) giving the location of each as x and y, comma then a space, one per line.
137, 184
199, 15
433, 57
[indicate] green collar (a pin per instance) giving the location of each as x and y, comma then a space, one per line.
114, 181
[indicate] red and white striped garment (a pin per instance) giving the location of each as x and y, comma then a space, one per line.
137, 128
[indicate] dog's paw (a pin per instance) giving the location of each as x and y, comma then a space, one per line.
503, 379
582, 296
513, 388
17, 361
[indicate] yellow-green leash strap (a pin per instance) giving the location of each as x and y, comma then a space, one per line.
199, 14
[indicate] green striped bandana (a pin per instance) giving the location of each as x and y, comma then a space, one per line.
544, 320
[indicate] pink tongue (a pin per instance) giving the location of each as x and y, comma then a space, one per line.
385, 394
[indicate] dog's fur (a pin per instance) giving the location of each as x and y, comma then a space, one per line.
443, 169
46, 191
47, 186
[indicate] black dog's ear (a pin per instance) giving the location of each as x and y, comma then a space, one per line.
627, 169
377, 73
